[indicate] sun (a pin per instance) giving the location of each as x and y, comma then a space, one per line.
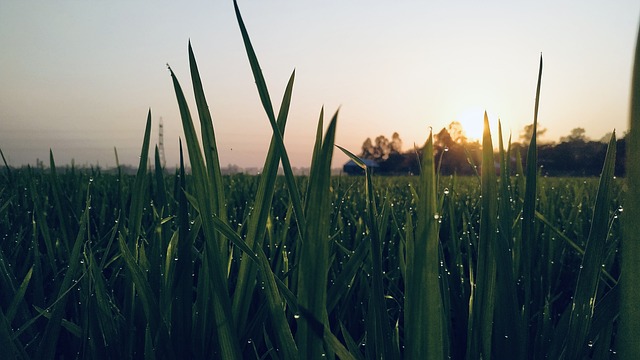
472, 121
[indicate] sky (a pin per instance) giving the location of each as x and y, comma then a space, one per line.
79, 77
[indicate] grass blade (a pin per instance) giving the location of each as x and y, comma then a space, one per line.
156, 323
528, 256
210, 148
629, 345
483, 292
217, 313
585, 296
137, 200
256, 227
181, 311
7, 344
49, 340
424, 317
314, 253
508, 331
266, 103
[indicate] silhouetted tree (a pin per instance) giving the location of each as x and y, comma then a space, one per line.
606, 137
382, 148
575, 155
577, 134
457, 132
527, 133
453, 152
367, 149
396, 144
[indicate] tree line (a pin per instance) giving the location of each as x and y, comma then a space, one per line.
574, 154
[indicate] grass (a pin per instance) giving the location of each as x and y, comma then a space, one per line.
200, 265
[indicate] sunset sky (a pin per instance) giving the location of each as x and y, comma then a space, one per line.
80, 76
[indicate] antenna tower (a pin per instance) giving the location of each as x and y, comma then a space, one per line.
161, 143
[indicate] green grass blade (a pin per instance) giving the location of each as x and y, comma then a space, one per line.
508, 331
351, 344
150, 305
347, 275
283, 335
585, 295
72, 328
215, 317
353, 157
314, 253
57, 204
424, 317
41, 220
210, 148
336, 346
282, 331
7, 169
528, 256
483, 294
182, 289
49, 339
256, 227
19, 296
138, 199
266, 103
629, 345
7, 344
383, 337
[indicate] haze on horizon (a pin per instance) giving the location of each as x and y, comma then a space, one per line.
79, 77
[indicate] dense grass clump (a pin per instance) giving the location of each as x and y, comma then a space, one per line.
200, 265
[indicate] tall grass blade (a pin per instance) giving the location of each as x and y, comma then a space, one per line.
218, 312
137, 200
7, 169
585, 295
383, 335
483, 292
210, 148
57, 204
314, 252
266, 103
6, 342
528, 254
49, 339
508, 331
256, 226
18, 297
156, 323
182, 282
424, 314
629, 345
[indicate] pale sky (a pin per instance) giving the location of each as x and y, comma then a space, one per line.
80, 76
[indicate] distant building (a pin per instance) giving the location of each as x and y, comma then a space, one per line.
351, 168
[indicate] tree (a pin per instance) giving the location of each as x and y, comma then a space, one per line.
451, 152
443, 139
457, 133
367, 149
527, 133
396, 144
379, 149
577, 134
606, 137
382, 148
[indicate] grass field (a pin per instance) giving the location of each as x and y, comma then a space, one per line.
96, 265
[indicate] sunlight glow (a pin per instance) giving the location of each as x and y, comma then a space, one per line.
471, 120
